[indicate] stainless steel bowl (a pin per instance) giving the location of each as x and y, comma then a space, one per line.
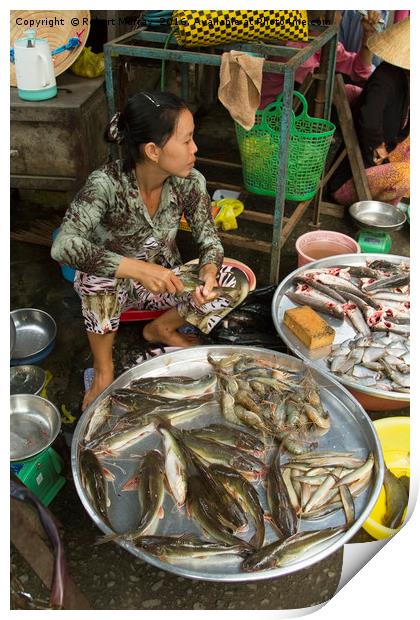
34, 424
351, 429
371, 398
35, 331
375, 215
12, 336
27, 379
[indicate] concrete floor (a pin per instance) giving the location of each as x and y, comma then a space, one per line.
109, 576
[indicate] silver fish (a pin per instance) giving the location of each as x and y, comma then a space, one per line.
176, 548
390, 282
322, 288
372, 354
331, 280
358, 473
213, 452
385, 325
348, 504
281, 508
356, 317
151, 491
322, 305
283, 552
362, 372
244, 492
94, 483
231, 436
205, 513
390, 296
399, 378
175, 466
364, 300
97, 420
187, 389
320, 493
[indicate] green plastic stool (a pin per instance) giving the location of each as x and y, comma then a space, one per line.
41, 474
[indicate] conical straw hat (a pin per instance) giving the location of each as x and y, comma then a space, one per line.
393, 44
57, 27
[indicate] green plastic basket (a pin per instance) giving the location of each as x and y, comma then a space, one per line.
310, 139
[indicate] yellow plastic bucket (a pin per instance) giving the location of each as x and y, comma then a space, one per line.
394, 435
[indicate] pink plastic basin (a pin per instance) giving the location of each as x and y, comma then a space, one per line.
322, 243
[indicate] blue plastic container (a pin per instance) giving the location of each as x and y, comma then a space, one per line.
67, 272
34, 359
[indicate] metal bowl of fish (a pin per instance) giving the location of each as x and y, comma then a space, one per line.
180, 460
376, 215
12, 336
365, 298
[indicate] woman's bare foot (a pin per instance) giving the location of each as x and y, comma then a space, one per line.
101, 380
158, 332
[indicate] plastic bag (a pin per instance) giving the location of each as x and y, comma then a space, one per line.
230, 209
89, 64
250, 323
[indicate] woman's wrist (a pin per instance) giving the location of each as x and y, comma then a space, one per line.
130, 268
208, 268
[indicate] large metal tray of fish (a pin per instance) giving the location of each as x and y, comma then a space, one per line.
194, 545
363, 369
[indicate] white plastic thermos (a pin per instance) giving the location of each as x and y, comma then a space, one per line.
35, 76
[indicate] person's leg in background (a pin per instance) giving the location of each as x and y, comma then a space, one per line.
387, 182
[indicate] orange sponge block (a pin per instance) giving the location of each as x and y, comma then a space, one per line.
309, 327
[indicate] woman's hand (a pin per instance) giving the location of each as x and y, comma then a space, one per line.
154, 278
379, 154
203, 293
369, 25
